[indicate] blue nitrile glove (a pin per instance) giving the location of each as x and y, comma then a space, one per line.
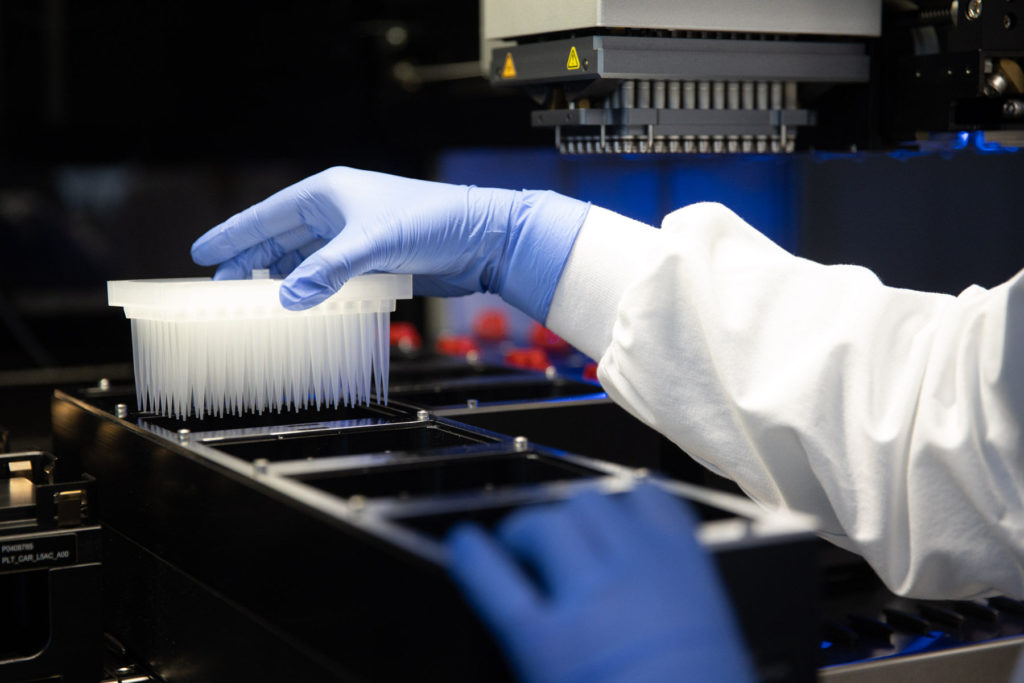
623, 592
457, 239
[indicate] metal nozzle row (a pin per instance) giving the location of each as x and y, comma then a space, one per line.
720, 95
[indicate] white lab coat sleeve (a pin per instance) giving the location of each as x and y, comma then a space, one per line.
894, 416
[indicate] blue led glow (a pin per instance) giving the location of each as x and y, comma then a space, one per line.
982, 145
760, 188
922, 643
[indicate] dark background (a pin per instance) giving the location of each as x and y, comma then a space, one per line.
129, 128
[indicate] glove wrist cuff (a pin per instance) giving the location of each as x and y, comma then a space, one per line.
543, 226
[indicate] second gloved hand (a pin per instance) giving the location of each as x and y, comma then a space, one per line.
601, 590
455, 239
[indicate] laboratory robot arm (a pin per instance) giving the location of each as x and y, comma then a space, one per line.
455, 239
599, 589
892, 415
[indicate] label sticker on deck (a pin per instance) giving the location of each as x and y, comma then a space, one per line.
574, 60
30, 553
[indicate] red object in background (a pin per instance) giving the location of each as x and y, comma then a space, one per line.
528, 359
456, 346
406, 337
544, 338
490, 325
590, 371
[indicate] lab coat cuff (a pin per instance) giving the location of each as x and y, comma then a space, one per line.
610, 253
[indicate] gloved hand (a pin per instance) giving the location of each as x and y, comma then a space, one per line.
624, 592
457, 239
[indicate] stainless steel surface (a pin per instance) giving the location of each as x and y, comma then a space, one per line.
17, 492
999, 661
506, 19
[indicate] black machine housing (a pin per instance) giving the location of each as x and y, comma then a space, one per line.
310, 546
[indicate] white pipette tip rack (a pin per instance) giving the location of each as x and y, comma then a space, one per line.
210, 347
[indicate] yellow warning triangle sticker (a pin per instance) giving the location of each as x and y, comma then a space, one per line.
574, 60
509, 70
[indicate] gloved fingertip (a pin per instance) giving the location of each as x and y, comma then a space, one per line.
488, 576
662, 508
231, 270
206, 250
298, 295
198, 257
463, 538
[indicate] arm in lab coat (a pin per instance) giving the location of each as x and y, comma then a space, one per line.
892, 415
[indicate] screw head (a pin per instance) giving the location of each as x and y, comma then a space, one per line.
973, 10
183, 435
472, 403
260, 465
521, 443
121, 410
103, 384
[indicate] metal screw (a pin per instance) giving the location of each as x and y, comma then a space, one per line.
472, 403
260, 466
521, 443
995, 85
551, 372
103, 384
121, 410
183, 435
422, 415
973, 10
357, 502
